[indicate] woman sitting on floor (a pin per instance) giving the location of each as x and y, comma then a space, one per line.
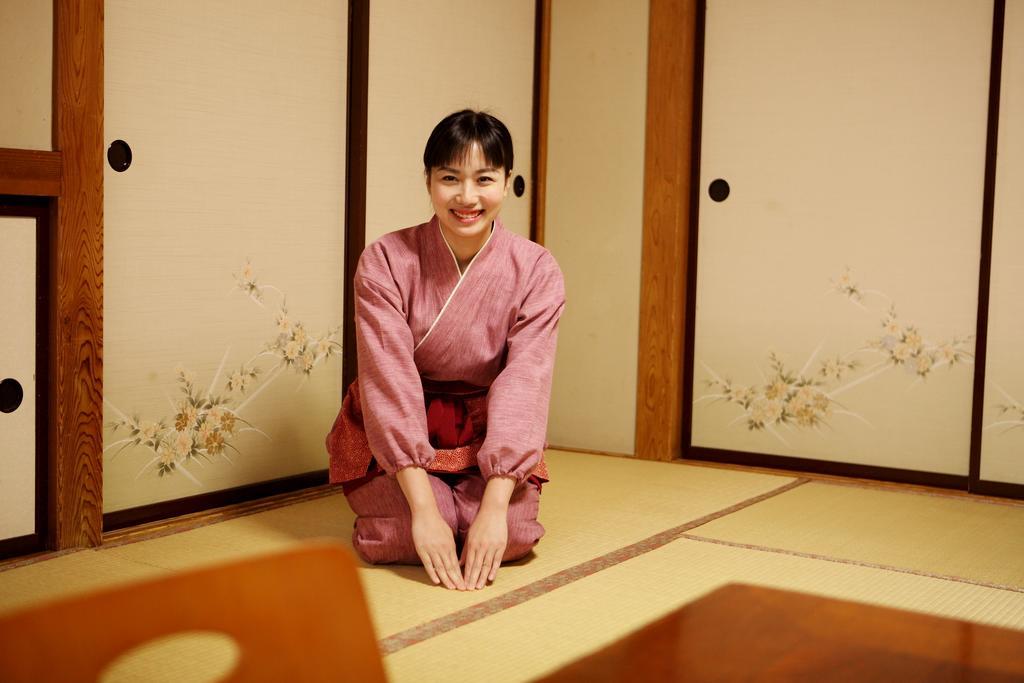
440, 441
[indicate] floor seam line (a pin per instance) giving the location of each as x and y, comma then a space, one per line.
858, 563
449, 622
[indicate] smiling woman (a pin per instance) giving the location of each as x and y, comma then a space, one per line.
468, 165
440, 441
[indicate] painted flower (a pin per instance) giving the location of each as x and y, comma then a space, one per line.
182, 444
299, 333
742, 395
165, 454
308, 360
284, 323
923, 364
148, 431
777, 389
214, 443
764, 411
186, 417
901, 352
292, 350
913, 339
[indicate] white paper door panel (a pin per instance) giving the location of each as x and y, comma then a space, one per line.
837, 285
1002, 441
18, 362
223, 243
427, 60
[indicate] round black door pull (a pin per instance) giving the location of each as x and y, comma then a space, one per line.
718, 190
519, 186
119, 156
11, 394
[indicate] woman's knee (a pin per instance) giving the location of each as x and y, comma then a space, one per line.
388, 540
522, 537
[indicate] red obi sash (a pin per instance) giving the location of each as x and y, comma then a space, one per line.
456, 425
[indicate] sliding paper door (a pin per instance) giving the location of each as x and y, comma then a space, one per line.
18, 377
1002, 444
837, 282
223, 243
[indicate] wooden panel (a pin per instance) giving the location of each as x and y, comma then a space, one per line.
670, 81
29, 172
76, 399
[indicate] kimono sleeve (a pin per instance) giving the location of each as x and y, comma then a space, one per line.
394, 416
517, 403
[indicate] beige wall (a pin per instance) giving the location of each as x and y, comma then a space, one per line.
593, 223
230, 213
26, 65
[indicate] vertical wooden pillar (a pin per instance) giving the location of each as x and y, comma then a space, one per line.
76, 279
671, 69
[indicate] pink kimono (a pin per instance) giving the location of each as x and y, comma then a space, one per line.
454, 376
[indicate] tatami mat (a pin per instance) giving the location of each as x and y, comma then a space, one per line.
592, 505
615, 558
67, 574
944, 535
540, 635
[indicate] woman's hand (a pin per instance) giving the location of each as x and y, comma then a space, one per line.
435, 544
431, 535
488, 534
485, 546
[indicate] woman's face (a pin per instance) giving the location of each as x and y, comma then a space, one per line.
467, 195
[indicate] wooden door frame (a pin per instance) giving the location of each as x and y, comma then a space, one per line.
76, 279
70, 178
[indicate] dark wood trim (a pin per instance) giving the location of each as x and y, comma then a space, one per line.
39, 209
355, 172
985, 266
997, 488
21, 545
672, 57
590, 451
838, 469
691, 253
30, 172
76, 279
541, 76
208, 501
206, 517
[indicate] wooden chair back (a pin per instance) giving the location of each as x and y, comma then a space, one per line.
298, 615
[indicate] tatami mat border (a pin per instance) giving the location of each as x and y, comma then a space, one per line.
436, 627
859, 563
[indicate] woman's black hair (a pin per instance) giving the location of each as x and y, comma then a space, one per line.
453, 137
